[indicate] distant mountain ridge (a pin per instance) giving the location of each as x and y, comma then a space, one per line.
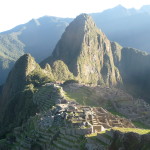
37, 37
83, 54
128, 27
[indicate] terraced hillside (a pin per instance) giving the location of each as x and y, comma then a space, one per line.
115, 100
45, 97
51, 129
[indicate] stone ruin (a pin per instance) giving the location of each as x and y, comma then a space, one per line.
96, 119
71, 114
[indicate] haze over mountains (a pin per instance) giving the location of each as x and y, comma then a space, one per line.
128, 27
37, 37
83, 55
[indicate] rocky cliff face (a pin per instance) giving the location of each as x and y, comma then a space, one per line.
92, 58
134, 68
87, 53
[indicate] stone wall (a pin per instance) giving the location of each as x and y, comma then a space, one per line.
74, 131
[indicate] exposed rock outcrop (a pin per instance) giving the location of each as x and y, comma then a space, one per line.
134, 68
87, 52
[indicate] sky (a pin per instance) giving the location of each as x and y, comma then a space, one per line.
15, 12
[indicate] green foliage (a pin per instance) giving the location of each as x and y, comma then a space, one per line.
30, 38
82, 95
10, 47
20, 108
61, 71
86, 96
116, 113
135, 130
38, 77
86, 51
70, 81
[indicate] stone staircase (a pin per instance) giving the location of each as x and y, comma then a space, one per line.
95, 121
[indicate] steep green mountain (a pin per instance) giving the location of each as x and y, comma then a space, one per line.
36, 113
37, 37
16, 95
134, 68
87, 52
16, 103
93, 59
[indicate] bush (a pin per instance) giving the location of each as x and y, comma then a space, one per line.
70, 81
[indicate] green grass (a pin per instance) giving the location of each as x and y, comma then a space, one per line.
91, 135
95, 134
124, 130
116, 113
83, 96
140, 125
135, 130
136, 123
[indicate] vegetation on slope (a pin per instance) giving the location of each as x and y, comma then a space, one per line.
37, 37
135, 130
61, 71
23, 81
87, 53
20, 108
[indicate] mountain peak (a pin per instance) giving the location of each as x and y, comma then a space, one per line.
83, 20
17, 76
25, 64
83, 16
26, 56
120, 7
87, 52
